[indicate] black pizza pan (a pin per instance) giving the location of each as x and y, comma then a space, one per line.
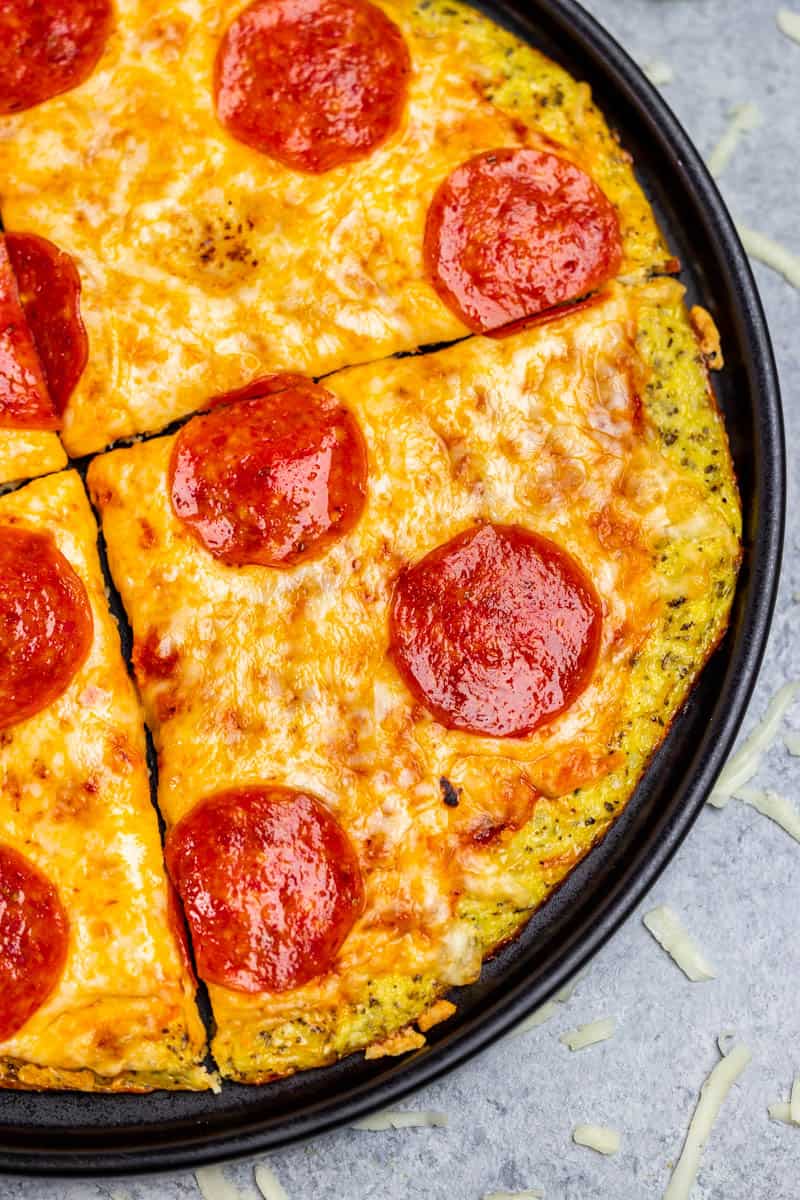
75, 1134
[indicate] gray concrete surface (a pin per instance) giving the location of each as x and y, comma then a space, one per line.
736, 880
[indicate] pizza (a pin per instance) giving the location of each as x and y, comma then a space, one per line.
193, 182
96, 989
412, 633
423, 523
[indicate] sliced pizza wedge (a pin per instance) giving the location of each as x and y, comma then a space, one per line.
96, 989
28, 444
406, 640
301, 186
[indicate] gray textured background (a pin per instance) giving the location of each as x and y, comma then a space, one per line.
735, 881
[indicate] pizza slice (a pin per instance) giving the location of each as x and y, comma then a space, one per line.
300, 186
96, 990
28, 445
406, 640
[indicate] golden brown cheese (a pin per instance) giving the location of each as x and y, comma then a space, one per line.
598, 431
75, 800
205, 263
25, 453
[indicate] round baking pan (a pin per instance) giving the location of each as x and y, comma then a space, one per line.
76, 1134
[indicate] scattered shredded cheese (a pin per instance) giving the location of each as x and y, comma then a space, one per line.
665, 926
380, 1122
565, 993
726, 1041
214, 1186
589, 1035
794, 1102
549, 1008
792, 742
743, 119
789, 23
742, 766
528, 1194
597, 1137
712, 1096
776, 807
536, 1019
781, 1110
771, 253
658, 72
268, 1184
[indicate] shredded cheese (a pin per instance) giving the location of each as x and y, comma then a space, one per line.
597, 1137
382, 1121
776, 807
665, 926
549, 1008
726, 1041
794, 1102
268, 1184
712, 1096
771, 253
743, 119
781, 1110
214, 1186
658, 72
536, 1019
742, 766
789, 23
528, 1194
589, 1035
565, 993
792, 742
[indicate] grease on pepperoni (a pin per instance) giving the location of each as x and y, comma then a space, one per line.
496, 631
50, 288
25, 402
513, 232
312, 83
48, 47
45, 623
271, 479
270, 884
34, 939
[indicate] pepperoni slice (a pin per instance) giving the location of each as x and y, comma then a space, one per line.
34, 939
45, 623
271, 887
25, 402
267, 385
496, 632
312, 83
48, 47
513, 232
50, 290
271, 479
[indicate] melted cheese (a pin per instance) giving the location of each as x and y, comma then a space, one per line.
75, 799
182, 234
283, 675
25, 453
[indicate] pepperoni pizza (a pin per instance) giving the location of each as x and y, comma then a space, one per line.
366, 177
405, 640
95, 988
406, 633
